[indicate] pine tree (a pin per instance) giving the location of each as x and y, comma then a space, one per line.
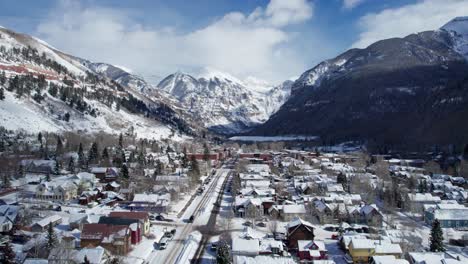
51, 238
57, 166
437, 237
39, 137
6, 181
223, 255
124, 171
71, 165
86, 260
184, 158
2, 94
121, 141
93, 155
206, 153
59, 147
81, 160
8, 254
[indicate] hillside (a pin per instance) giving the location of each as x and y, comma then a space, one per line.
46, 89
399, 91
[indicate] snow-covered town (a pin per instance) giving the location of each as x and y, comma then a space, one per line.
234, 132
79, 199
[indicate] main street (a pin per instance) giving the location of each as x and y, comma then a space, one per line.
200, 208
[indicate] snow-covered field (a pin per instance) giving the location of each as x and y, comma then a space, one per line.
273, 138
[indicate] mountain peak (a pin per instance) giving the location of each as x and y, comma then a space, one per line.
458, 25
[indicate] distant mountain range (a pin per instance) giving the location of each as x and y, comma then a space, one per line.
398, 91
223, 103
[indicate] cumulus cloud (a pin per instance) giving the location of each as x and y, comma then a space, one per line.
350, 4
399, 22
256, 43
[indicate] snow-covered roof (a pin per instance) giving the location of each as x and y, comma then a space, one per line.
294, 209
242, 246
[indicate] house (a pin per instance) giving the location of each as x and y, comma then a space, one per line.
362, 249
61, 255
143, 217
416, 201
365, 214
106, 174
245, 247
112, 187
150, 202
60, 190
38, 166
387, 260
433, 258
299, 229
135, 226
115, 238
311, 250
8, 217
42, 225
449, 216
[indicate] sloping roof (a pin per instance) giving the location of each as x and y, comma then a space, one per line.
245, 246
130, 215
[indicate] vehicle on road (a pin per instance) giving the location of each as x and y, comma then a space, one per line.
214, 246
173, 231
190, 220
163, 243
261, 224
248, 223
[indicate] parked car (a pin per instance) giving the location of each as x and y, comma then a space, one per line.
160, 218
248, 223
163, 243
190, 220
261, 224
214, 246
173, 231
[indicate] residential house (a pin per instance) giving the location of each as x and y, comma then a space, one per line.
106, 174
449, 215
60, 190
150, 202
143, 217
115, 238
299, 229
41, 226
8, 217
311, 250
38, 166
416, 201
135, 226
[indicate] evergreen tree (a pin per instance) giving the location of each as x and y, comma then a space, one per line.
81, 159
6, 181
71, 165
52, 240
124, 171
86, 260
206, 153
59, 147
223, 254
121, 141
93, 155
2, 94
437, 237
8, 254
57, 166
184, 158
39, 137
3, 78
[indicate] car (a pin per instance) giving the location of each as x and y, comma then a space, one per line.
261, 224
173, 231
163, 243
160, 218
214, 246
152, 217
190, 220
169, 235
248, 223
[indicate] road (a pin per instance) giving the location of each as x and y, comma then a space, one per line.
201, 208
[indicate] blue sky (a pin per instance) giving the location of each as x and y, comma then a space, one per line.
266, 39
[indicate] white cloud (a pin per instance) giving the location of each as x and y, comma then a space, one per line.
399, 22
243, 44
350, 4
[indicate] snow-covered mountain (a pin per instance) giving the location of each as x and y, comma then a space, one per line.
224, 103
48, 90
411, 90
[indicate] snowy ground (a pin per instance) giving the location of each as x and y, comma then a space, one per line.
277, 138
